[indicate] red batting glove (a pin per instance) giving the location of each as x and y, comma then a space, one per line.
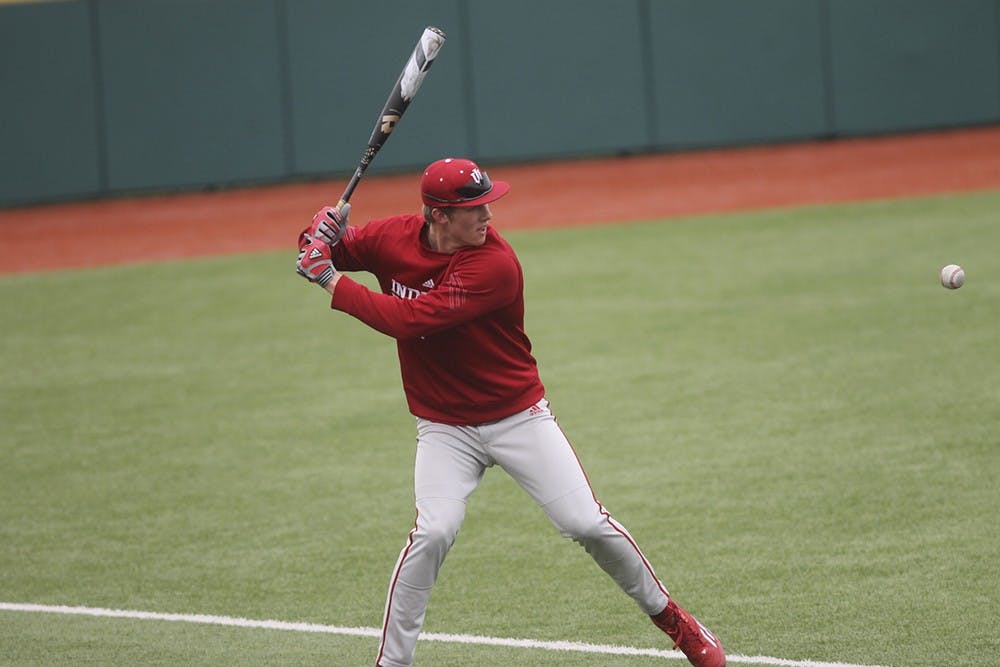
314, 263
328, 225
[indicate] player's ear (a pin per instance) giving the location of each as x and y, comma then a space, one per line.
428, 213
440, 214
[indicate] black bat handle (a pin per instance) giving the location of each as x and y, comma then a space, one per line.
366, 159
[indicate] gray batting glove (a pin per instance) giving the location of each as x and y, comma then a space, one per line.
330, 224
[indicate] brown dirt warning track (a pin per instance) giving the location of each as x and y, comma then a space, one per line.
176, 226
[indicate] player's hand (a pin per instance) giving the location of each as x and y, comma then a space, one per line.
314, 262
329, 224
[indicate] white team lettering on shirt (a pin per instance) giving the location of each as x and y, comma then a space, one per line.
404, 292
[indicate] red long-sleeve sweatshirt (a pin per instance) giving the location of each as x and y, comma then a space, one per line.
458, 319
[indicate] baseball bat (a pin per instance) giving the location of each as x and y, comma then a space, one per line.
399, 99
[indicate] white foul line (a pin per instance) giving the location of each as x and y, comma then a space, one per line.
579, 647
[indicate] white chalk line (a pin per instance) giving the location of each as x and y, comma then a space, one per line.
229, 621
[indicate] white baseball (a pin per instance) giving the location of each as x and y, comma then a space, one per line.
952, 276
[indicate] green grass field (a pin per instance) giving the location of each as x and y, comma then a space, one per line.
800, 426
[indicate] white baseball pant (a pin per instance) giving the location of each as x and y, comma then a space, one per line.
450, 463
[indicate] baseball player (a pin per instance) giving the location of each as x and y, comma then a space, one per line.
452, 295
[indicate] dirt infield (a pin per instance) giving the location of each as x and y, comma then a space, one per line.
543, 195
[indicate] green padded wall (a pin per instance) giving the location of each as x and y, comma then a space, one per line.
193, 92
49, 141
909, 64
560, 77
736, 72
118, 96
344, 59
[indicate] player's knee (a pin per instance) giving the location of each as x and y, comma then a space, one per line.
439, 536
437, 525
584, 528
578, 516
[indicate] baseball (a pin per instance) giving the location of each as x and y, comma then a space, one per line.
952, 276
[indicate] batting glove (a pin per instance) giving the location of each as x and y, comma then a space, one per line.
329, 224
314, 263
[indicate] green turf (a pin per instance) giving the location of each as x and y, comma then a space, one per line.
795, 420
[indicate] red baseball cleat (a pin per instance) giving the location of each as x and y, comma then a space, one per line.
702, 648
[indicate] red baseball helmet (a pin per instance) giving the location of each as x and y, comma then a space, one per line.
459, 182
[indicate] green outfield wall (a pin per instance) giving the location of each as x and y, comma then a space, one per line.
105, 97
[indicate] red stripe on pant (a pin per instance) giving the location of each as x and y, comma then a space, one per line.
392, 588
614, 524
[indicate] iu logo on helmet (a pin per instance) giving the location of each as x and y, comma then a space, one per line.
477, 176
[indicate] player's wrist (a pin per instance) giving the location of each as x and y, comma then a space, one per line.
332, 285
